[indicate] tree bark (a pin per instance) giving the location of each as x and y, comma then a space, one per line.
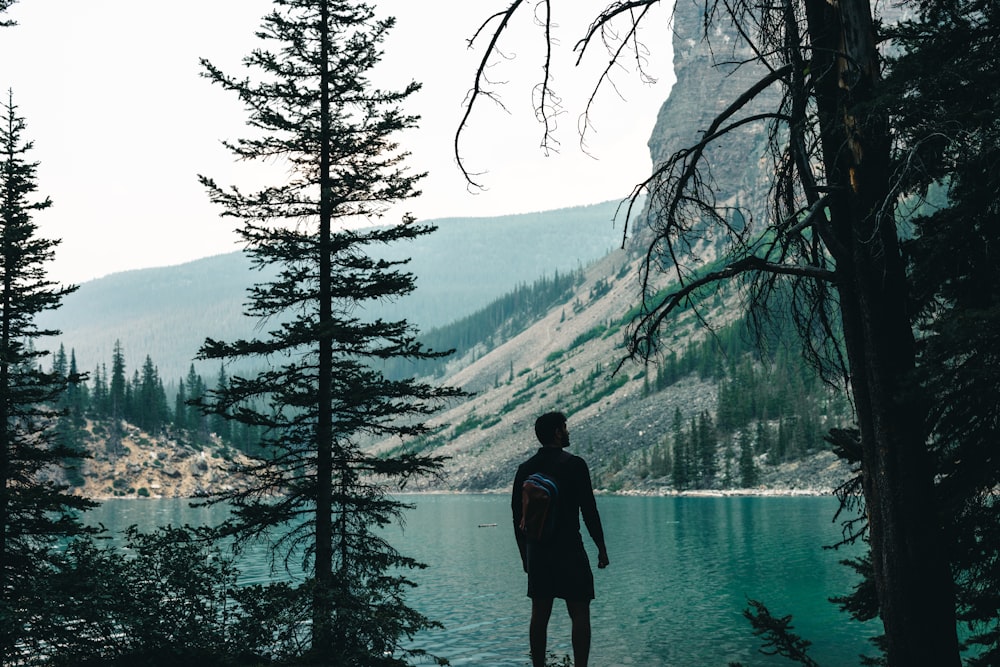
912, 576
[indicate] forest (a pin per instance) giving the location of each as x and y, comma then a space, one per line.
890, 307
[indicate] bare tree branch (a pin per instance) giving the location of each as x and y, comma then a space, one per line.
601, 25
480, 84
644, 340
547, 104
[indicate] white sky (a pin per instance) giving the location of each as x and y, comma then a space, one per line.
122, 122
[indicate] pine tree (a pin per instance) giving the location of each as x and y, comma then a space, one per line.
220, 422
35, 514
707, 443
76, 391
70, 419
322, 395
150, 402
180, 407
99, 404
748, 469
944, 99
680, 473
117, 399
197, 423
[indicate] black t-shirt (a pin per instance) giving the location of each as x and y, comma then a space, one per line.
576, 498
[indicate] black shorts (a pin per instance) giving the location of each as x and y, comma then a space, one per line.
556, 572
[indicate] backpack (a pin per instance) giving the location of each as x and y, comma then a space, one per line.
539, 502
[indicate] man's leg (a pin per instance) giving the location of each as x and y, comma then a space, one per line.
579, 613
541, 610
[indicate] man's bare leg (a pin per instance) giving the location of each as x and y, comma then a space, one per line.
579, 613
541, 610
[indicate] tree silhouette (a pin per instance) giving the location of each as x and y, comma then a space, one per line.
318, 493
35, 512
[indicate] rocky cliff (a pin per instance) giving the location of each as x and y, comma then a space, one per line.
545, 369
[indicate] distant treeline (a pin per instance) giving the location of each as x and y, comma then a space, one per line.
769, 401
115, 396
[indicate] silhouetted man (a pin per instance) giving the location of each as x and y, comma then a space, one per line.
558, 566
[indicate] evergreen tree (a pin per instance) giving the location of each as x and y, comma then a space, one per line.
197, 423
763, 438
149, 400
100, 395
706, 443
76, 390
70, 419
748, 469
727, 464
117, 389
117, 399
943, 97
680, 469
321, 394
181, 407
60, 362
220, 422
35, 514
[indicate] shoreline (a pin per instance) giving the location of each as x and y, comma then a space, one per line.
637, 493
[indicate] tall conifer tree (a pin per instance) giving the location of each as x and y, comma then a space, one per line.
34, 512
316, 491
947, 113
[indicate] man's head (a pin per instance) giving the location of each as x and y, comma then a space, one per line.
550, 429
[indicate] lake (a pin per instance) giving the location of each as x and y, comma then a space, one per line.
682, 570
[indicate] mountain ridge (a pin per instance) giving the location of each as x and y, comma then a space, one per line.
167, 312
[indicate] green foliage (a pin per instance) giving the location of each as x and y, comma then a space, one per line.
520, 399
946, 116
165, 597
555, 356
591, 334
470, 423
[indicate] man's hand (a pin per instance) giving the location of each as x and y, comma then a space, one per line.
602, 559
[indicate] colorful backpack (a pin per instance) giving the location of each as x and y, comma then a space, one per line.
539, 501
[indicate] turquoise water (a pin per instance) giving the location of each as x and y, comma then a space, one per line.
682, 570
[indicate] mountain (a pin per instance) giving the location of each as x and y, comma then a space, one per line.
168, 312
571, 358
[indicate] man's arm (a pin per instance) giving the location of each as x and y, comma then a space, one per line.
591, 517
516, 510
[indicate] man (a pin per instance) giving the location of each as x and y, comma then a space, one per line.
558, 567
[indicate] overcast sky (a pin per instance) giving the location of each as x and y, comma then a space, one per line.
122, 122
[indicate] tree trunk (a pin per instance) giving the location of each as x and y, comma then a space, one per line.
912, 576
322, 630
